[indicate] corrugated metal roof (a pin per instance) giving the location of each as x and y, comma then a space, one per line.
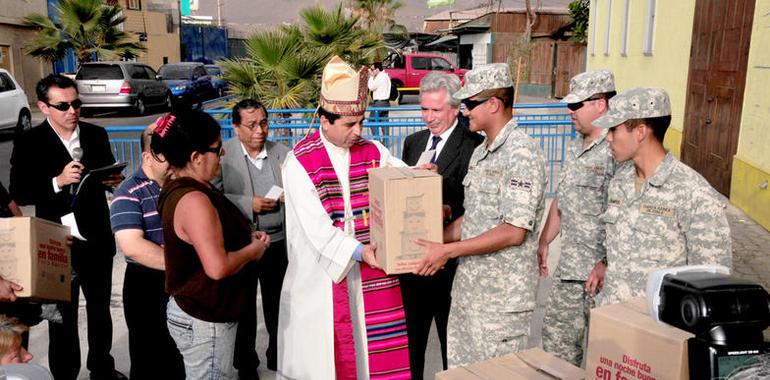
509, 6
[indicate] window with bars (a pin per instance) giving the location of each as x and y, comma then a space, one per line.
607, 28
134, 4
649, 28
626, 20
592, 24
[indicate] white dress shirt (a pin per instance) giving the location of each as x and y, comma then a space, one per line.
259, 159
444, 136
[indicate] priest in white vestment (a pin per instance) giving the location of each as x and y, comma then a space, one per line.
327, 241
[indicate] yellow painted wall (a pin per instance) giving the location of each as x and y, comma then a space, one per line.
751, 165
666, 67
160, 42
162, 45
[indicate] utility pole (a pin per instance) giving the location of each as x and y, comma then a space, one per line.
219, 13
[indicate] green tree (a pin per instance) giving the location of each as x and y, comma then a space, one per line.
339, 32
377, 17
89, 27
282, 66
578, 12
280, 69
373, 12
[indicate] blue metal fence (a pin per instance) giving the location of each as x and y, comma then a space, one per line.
552, 130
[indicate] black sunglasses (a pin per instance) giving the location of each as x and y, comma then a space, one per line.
471, 104
576, 106
216, 150
64, 106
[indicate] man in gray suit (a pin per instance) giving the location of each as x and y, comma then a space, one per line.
251, 167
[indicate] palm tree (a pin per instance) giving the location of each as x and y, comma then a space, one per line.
280, 69
377, 12
340, 33
377, 17
282, 66
89, 27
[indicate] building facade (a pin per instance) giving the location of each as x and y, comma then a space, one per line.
548, 64
156, 25
14, 36
712, 58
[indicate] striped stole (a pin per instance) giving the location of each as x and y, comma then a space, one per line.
383, 308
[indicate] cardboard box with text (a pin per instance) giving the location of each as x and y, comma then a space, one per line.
625, 343
34, 254
405, 205
530, 364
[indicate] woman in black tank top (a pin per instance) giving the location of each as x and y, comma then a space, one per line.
207, 242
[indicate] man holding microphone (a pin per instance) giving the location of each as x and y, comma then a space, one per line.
48, 182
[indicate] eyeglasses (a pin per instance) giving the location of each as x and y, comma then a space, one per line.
576, 106
262, 124
216, 150
64, 106
471, 104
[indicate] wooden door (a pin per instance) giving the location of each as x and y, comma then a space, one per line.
718, 59
569, 60
540, 63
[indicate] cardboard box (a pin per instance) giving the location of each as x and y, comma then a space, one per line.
530, 364
34, 254
624, 342
405, 205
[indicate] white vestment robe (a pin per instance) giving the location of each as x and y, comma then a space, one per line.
319, 254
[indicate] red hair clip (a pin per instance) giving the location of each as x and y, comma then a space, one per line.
163, 123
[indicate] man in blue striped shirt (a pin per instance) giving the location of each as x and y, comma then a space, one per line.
139, 234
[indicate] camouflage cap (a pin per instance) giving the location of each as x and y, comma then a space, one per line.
636, 103
588, 84
482, 78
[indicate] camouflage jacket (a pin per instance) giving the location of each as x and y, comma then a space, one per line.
505, 184
675, 219
582, 196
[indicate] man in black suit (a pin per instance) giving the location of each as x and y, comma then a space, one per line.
426, 298
47, 166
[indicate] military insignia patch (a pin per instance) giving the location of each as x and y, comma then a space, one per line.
518, 184
597, 170
656, 210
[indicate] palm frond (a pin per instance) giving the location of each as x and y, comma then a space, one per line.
270, 48
79, 15
87, 26
39, 21
243, 77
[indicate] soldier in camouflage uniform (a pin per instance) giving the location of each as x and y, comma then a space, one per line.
580, 199
660, 212
493, 295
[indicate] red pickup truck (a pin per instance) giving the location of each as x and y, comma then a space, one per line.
406, 71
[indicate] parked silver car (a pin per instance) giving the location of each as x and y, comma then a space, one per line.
120, 85
14, 109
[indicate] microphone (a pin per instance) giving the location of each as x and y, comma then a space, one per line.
77, 154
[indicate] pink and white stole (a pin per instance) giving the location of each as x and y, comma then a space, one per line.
383, 307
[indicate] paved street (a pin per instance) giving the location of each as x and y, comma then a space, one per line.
750, 261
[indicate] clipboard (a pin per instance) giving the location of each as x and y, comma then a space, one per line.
100, 174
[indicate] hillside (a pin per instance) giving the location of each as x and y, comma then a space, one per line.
250, 14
